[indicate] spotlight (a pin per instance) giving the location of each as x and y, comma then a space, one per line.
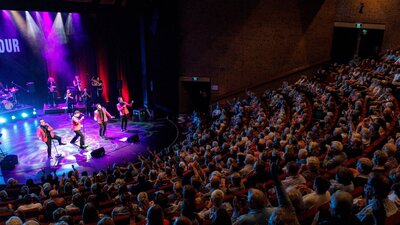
13, 117
2, 120
34, 112
24, 115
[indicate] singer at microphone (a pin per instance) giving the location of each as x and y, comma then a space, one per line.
122, 107
76, 127
45, 133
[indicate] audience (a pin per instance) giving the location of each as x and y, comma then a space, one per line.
306, 145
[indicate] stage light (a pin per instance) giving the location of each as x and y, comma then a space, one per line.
2, 120
13, 117
24, 115
34, 112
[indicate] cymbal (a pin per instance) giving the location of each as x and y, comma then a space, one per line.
14, 89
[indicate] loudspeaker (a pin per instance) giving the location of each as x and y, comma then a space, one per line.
8, 163
98, 153
133, 139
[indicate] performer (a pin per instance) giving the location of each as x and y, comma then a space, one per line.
45, 133
87, 100
69, 102
123, 112
77, 85
76, 127
52, 88
101, 116
99, 88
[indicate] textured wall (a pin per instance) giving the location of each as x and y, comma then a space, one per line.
385, 12
240, 43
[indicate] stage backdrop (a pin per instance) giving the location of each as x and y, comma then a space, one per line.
36, 45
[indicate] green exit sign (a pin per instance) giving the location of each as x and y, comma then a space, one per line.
195, 78
358, 25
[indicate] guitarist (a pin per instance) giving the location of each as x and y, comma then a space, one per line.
122, 107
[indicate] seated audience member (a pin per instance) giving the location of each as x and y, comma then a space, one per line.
5, 207
340, 211
217, 201
55, 197
335, 155
28, 204
155, 216
49, 210
58, 213
67, 219
126, 208
302, 157
379, 160
364, 168
249, 164
293, 178
14, 220
390, 150
143, 204
77, 204
312, 170
378, 205
142, 184
319, 196
258, 211
296, 199
258, 176
90, 214
343, 181
221, 217
395, 194
235, 184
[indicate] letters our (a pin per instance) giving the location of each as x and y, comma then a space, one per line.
9, 45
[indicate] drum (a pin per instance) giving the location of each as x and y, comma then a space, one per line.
7, 104
7, 95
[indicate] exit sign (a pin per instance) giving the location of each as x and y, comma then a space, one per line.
358, 25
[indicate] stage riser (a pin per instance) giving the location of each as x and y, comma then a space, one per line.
17, 113
61, 108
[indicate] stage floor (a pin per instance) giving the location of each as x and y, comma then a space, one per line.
20, 139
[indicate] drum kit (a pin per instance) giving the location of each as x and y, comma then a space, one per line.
8, 98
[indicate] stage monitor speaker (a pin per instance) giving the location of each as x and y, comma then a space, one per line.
9, 162
98, 152
133, 139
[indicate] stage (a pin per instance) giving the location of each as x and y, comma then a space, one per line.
20, 139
